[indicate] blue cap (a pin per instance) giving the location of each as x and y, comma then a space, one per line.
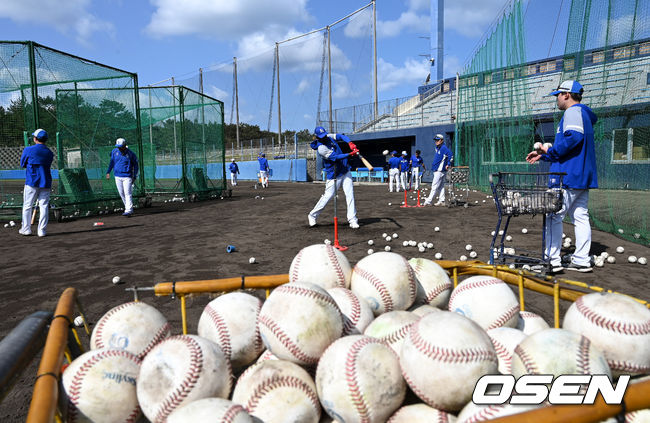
320, 132
569, 87
393, 152
120, 142
439, 137
40, 134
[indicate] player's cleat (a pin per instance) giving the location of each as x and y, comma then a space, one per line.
127, 214
556, 269
579, 268
312, 221
41, 234
26, 233
426, 203
354, 225
439, 203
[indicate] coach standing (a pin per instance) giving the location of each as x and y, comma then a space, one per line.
442, 159
338, 174
124, 164
36, 159
574, 153
234, 170
264, 170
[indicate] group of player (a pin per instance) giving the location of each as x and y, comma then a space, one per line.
263, 172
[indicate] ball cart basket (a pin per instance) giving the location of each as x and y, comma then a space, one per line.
457, 183
55, 334
520, 193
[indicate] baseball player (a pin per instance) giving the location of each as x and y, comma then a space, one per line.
417, 169
264, 170
124, 164
338, 174
36, 159
574, 153
442, 159
404, 165
234, 170
393, 171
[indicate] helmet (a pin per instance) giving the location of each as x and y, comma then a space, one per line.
320, 132
40, 134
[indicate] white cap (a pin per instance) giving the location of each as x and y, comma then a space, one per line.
120, 142
403, 153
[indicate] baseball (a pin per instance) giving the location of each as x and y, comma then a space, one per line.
322, 265
557, 352
390, 204
100, 386
384, 235
251, 260
395, 236
421, 249
278, 390
567, 240
116, 279
79, 321
230, 322
179, 370
524, 231
617, 325
632, 259
412, 243
385, 152
433, 283
387, 248
419, 413
620, 250
468, 247
388, 239
599, 262
611, 259
12, 223
621, 231
637, 235
405, 243
604, 254
288, 318
537, 146
476, 413
356, 313
473, 254
437, 229
508, 238
392, 328
370, 242
438, 256
501, 232
370, 251
530, 323
642, 260
327, 242
386, 281
430, 245
463, 258
455, 352
492, 233
548, 145
135, 327
359, 379
210, 409
487, 300
505, 340
6, 225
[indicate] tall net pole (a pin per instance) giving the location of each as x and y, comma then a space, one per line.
329, 77
374, 42
234, 61
277, 58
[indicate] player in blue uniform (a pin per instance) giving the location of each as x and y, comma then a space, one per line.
37, 160
442, 160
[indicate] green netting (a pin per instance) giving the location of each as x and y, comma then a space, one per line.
504, 108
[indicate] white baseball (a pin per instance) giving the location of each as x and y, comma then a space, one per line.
617, 325
179, 370
251, 260
12, 223
524, 231
557, 352
430, 245
387, 248
599, 262
604, 254
395, 236
611, 259
388, 239
537, 146
135, 327
116, 279
487, 300
288, 319
370, 242
620, 250
78, 321
392, 328
384, 235
621, 231
412, 243
463, 258
327, 242
433, 283
322, 265
356, 313
359, 379
548, 145
421, 249
278, 391
472, 413
438, 256
386, 281
385, 153
210, 409
508, 238
390, 204
420, 413
370, 251
405, 243
443, 356
100, 386
505, 340
6, 225
530, 322
468, 247
437, 229
230, 321
473, 254
642, 260
632, 259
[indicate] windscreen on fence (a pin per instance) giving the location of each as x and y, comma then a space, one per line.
504, 106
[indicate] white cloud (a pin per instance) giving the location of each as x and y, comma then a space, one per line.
70, 16
411, 20
303, 86
471, 18
218, 93
224, 19
412, 72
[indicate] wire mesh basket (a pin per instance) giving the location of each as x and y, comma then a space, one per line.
518, 193
459, 175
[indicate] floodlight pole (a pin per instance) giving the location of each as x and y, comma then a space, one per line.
234, 61
277, 60
374, 38
329, 77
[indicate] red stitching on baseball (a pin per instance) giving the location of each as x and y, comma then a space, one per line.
340, 276
351, 377
258, 338
397, 335
355, 312
162, 333
310, 293
502, 352
231, 413
486, 413
386, 300
281, 382
627, 367
582, 359
424, 397
222, 330
527, 360
466, 285
439, 290
446, 355
413, 286
625, 328
190, 379
502, 319
295, 271
286, 341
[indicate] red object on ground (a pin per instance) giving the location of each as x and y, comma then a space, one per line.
98, 224
336, 236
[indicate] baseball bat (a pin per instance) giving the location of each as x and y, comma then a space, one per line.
34, 215
365, 162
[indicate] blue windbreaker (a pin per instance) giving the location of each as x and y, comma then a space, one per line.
442, 157
574, 151
123, 165
335, 160
37, 160
264, 164
417, 161
233, 167
394, 162
404, 164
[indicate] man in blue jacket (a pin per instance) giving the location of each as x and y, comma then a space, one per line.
124, 164
417, 165
234, 170
404, 165
36, 159
442, 159
264, 170
338, 174
393, 171
574, 153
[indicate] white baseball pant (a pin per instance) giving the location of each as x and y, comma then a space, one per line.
575, 203
437, 185
265, 178
330, 191
393, 175
415, 176
42, 196
233, 179
125, 188
402, 179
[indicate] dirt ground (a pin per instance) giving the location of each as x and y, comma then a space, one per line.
184, 242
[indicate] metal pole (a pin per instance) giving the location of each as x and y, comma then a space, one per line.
277, 59
33, 79
456, 122
174, 97
329, 77
374, 37
236, 98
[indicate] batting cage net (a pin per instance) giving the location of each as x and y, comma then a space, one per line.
504, 105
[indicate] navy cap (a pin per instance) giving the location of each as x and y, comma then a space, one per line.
569, 87
40, 134
320, 132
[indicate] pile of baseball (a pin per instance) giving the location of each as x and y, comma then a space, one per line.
388, 339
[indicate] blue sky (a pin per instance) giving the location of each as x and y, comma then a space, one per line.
159, 39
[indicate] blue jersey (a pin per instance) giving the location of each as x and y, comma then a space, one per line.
264, 164
37, 160
404, 164
574, 151
335, 160
442, 157
394, 162
233, 167
124, 165
417, 161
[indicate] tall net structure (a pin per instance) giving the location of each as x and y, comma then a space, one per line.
504, 107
